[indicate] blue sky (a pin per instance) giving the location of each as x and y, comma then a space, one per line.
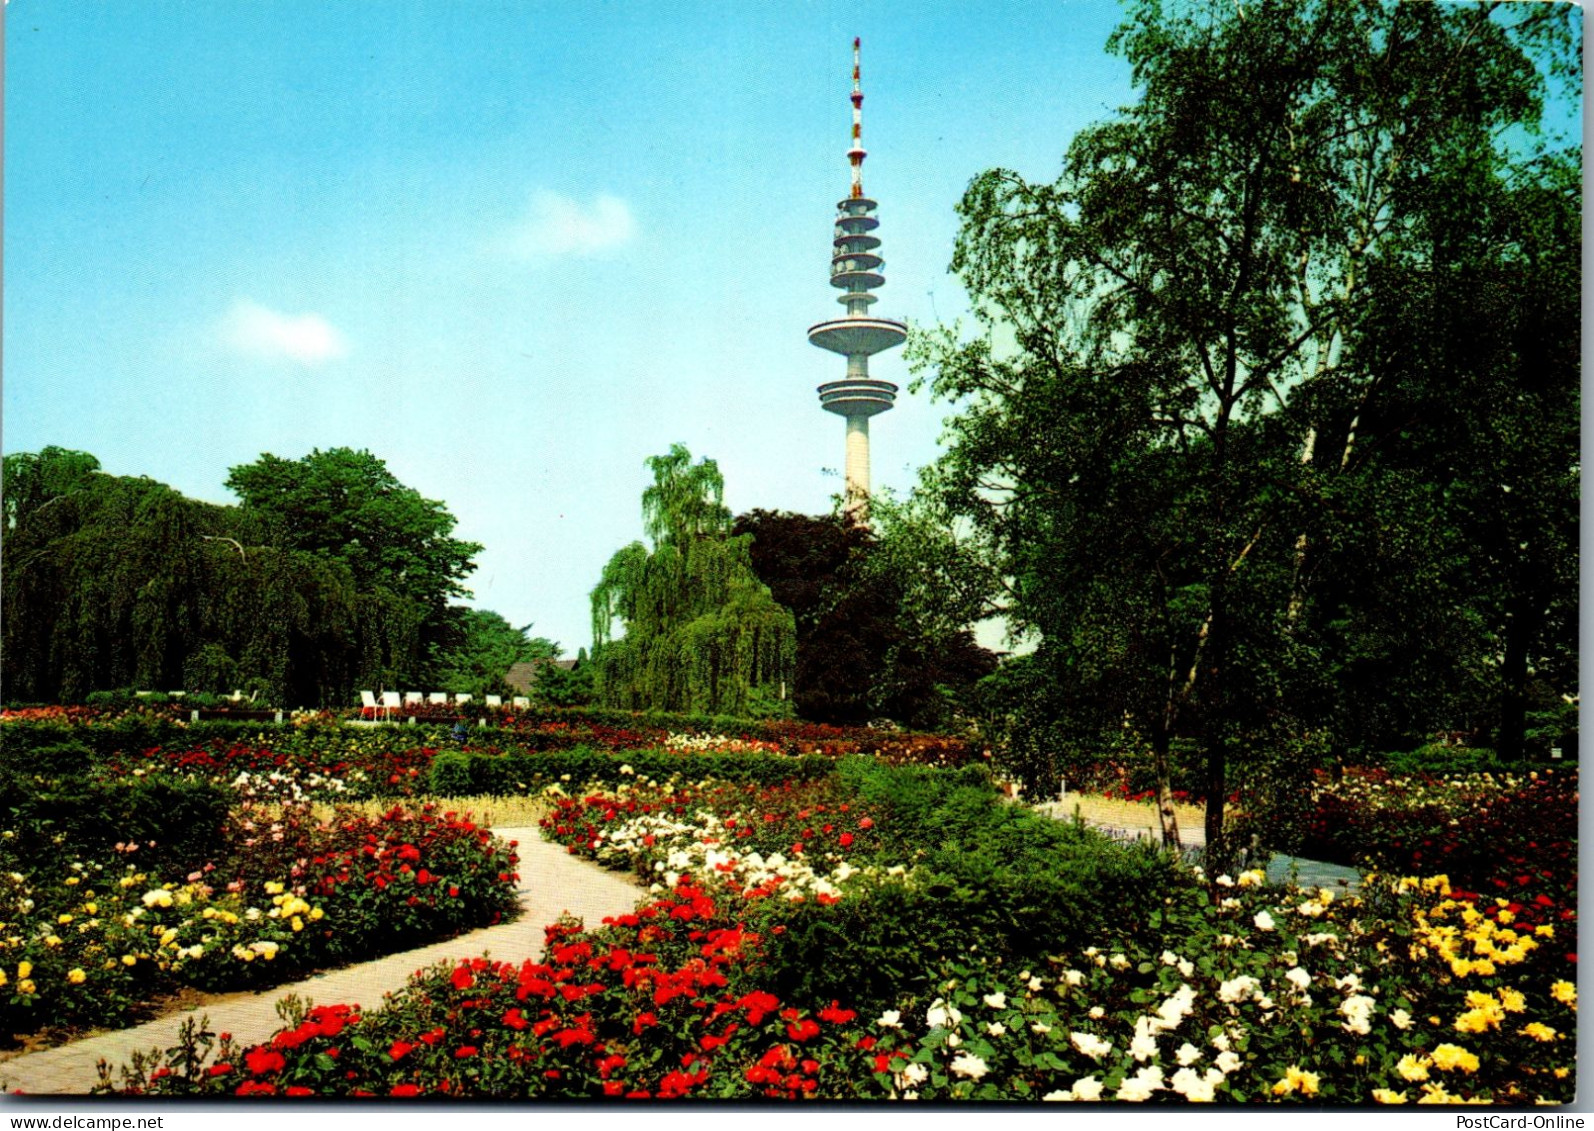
511, 248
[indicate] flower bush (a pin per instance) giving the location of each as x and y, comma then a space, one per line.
657, 1004
1500, 834
1276, 995
99, 939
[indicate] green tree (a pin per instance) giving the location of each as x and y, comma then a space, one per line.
867, 645
1157, 464
115, 582
488, 647
346, 506
566, 687
700, 631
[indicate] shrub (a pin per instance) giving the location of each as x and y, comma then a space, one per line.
475, 773
177, 823
92, 942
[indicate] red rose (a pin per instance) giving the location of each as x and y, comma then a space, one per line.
400, 1050
263, 1060
405, 1090
803, 1030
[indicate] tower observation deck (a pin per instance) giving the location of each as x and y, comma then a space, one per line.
855, 266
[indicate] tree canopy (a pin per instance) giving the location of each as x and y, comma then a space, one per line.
487, 647
1294, 356
346, 506
700, 632
117, 582
862, 652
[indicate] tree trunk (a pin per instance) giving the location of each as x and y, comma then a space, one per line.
1160, 737
1520, 629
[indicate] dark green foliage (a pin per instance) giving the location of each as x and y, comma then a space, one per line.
117, 582
859, 656
1287, 443
457, 773
1442, 761
566, 687
1024, 885
177, 824
51, 760
346, 506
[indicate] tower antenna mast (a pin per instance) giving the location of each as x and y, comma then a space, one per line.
855, 270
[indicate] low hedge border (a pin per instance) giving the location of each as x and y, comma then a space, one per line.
461, 773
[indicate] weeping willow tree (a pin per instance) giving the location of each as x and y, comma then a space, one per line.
700, 631
122, 582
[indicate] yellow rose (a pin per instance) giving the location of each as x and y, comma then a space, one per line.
1296, 1080
76, 977
1451, 1057
92, 908
51, 941
129, 960
1512, 1000
1385, 1096
1565, 993
1436, 1094
26, 986
24, 969
63, 918
1413, 1068
315, 914
1538, 1031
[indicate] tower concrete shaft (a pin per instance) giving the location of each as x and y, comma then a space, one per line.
855, 270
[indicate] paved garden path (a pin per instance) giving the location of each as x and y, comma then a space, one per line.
551, 882
1280, 868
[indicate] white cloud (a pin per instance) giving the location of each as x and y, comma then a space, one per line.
308, 339
557, 225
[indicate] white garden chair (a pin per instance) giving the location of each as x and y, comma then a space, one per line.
494, 702
462, 698
438, 698
368, 705
521, 702
411, 697
390, 702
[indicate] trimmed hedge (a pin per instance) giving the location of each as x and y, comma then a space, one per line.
467, 772
177, 823
1025, 885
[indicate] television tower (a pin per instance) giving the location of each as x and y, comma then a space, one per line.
855, 269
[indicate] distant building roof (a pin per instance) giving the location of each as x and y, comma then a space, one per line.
521, 676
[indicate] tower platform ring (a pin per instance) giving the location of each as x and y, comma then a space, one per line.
865, 280
858, 335
857, 397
